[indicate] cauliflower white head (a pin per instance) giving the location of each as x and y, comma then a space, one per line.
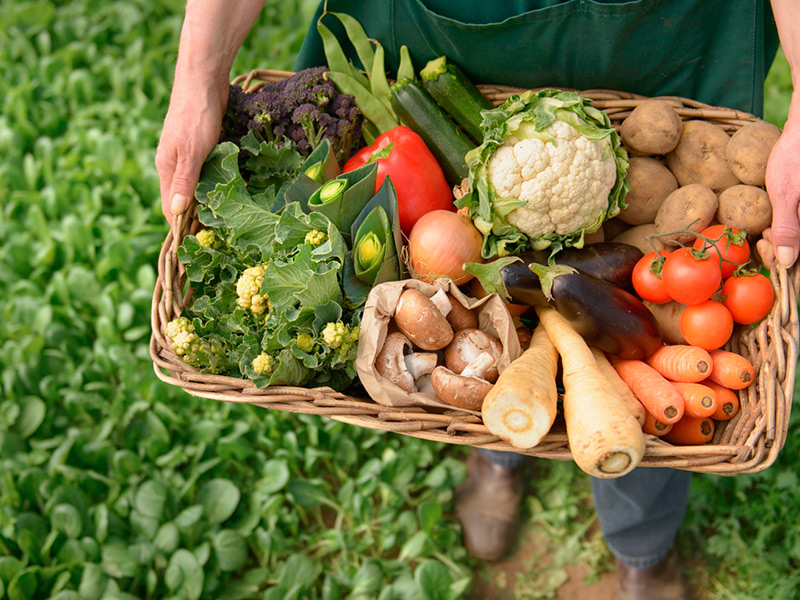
550, 169
564, 182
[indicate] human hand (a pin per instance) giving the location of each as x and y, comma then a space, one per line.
782, 240
191, 130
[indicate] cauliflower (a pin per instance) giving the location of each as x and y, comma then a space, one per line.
564, 182
550, 169
248, 290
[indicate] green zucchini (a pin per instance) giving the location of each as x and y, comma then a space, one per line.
448, 143
455, 93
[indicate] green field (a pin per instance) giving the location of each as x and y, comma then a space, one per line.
116, 486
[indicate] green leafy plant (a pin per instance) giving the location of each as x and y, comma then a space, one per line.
114, 485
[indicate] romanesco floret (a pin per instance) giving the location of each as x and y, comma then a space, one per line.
208, 238
206, 354
315, 237
248, 289
337, 335
181, 335
305, 342
263, 364
334, 333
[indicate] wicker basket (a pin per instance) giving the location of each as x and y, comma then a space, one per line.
748, 443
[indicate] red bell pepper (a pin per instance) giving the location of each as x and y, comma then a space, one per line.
417, 177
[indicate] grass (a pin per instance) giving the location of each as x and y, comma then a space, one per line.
113, 485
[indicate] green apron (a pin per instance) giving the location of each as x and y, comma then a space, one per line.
714, 51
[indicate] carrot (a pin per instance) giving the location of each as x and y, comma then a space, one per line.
728, 401
655, 427
681, 362
521, 407
691, 431
698, 400
731, 370
633, 402
606, 440
657, 394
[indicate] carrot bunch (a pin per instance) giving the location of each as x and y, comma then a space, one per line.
686, 390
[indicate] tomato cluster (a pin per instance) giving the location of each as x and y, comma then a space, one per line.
692, 276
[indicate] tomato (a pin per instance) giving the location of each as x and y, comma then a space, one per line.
736, 251
647, 284
690, 280
748, 297
707, 325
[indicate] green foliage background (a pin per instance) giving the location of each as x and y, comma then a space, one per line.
114, 485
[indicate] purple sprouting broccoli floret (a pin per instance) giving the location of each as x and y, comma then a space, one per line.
302, 109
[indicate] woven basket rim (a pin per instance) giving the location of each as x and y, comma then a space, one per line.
748, 443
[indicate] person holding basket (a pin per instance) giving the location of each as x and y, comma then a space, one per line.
713, 51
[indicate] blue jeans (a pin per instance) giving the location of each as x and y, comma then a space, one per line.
639, 513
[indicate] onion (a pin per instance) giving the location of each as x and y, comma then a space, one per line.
440, 243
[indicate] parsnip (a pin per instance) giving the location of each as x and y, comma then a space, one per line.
606, 440
521, 407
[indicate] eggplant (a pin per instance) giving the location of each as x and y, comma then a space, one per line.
609, 261
607, 316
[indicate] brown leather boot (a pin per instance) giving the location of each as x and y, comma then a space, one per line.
662, 581
488, 506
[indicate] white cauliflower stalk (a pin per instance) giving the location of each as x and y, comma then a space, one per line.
550, 169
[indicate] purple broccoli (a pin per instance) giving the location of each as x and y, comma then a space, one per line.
302, 109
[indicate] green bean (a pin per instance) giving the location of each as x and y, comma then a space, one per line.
406, 68
337, 61
372, 108
378, 81
358, 38
369, 132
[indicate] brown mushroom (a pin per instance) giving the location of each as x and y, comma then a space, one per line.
466, 390
420, 364
391, 364
421, 321
467, 345
460, 317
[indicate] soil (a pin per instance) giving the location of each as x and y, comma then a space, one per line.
498, 580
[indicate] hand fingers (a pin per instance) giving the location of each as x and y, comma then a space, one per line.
785, 232
165, 165
184, 181
765, 249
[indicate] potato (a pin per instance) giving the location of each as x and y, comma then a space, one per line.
668, 320
650, 183
746, 207
749, 149
637, 236
701, 156
693, 203
595, 238
613, 227
653, 127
